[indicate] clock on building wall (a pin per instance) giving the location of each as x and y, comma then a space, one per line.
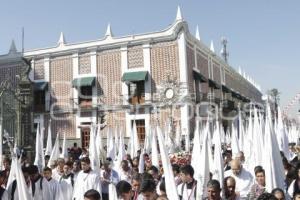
169, 93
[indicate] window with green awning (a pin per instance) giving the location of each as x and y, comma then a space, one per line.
199, 76
213, 84
226, 89
135, 76
40, 86
84, 81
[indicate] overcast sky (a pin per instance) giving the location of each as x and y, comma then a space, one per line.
263, 36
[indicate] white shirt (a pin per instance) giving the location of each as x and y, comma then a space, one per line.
85, 182
55, 189
187, 194
126, 176
67, 187
42, 193
243, 181
56, 174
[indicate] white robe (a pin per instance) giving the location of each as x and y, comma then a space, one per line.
44, 192
187, 194
56, 174
55, 190
125, 176
16, 195
85, 182
243, 182
67, 187
5, 195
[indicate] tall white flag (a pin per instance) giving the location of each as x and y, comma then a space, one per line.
171, 189
64, 152
93, 155
218, 172
154, 151
55, 151
272, 162
136, 142
49, 141
99, 144
39, 155
22, 188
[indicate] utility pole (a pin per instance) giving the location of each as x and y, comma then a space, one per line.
224, 51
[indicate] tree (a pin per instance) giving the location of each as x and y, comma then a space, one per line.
275, 94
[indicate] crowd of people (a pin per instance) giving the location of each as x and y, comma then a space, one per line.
74, 179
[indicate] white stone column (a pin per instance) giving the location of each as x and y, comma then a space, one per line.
75, 61
183, 69
47, 68
93, 55
124, 67
47, 79
147, 66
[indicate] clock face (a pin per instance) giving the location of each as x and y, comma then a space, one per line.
169, 93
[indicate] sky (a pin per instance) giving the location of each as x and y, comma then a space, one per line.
263, 35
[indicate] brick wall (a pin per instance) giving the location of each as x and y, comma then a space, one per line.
61, 76
65, 123
202, 65
109, 76
84, 63
135, 57
190, 54
164, 62
39, 72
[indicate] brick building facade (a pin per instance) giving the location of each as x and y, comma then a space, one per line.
75, 84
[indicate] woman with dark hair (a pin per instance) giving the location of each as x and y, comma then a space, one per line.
259, 187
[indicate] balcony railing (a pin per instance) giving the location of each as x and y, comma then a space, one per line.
136, 99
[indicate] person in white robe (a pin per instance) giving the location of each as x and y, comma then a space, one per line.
125, 171
76, 168
54, 186
87, 179
187, 189
243, 178
41, 185
12, 189
67, 181
58, 171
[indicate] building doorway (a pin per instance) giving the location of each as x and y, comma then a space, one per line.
85, 136
140, 126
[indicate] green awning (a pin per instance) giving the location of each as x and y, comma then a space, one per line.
40, 86
226, 89
236, 95
199, 76
135, 76
84, 81
213, 84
